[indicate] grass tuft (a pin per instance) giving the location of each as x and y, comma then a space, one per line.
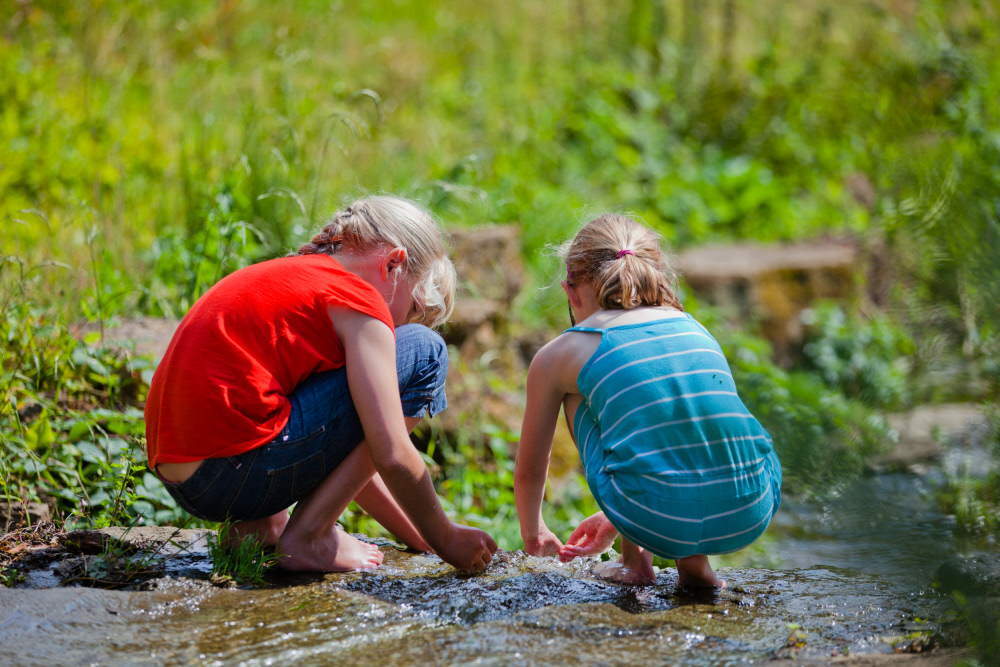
243, 562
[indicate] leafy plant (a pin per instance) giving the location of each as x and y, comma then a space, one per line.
974, 499
978, 621
67, 412
244, 560
822, 438
864, 359
114, 510
10, 577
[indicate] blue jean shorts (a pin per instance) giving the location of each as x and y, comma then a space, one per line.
322, 430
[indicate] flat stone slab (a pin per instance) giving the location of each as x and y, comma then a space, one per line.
149, 335
190, 540
924, 430
773, 282
749, 260
13, 514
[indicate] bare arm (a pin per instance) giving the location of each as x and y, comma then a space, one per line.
544, 399
369, 348
377, 500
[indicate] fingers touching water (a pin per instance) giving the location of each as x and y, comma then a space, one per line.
593, 536
543, 544
468, 549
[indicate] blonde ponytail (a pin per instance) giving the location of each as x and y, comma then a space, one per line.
624, 261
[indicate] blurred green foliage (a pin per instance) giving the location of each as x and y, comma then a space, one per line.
977, 621
973, 496
731, 120
823, 438
865, 358
152, 148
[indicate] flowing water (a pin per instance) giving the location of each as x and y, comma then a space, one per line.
854, 579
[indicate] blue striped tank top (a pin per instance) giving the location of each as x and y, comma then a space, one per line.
672, 456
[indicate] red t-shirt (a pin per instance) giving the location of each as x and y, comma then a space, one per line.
222, 387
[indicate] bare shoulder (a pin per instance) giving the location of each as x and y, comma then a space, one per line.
561, 359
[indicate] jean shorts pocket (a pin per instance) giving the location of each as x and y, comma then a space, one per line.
283, 441
291, 483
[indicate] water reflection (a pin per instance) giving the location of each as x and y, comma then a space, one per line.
885, 524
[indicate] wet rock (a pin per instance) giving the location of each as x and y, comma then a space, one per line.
416, 610
85, 541
939, 658
976, 575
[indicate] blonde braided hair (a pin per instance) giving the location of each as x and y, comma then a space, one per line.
398, 223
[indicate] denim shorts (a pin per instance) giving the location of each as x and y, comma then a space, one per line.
322, 430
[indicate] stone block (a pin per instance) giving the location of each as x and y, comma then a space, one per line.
490, 275
16, 514
774, 283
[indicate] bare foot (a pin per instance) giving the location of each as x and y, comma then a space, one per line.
634, 567
264, 531
695, 572
336, 552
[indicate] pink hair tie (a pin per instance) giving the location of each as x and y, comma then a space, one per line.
622, 253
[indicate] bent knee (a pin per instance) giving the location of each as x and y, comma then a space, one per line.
417, 345
422, 366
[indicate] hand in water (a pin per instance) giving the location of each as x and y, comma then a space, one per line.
467, 549
543, 544
593, 536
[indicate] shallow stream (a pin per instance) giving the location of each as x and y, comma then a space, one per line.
854, 579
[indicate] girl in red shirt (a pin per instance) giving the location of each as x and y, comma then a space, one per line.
298, 380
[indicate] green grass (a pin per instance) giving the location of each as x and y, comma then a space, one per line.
150, 149
245, 562
69, 421
147, 126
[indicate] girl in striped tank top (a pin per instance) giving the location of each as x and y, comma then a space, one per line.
678, 465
